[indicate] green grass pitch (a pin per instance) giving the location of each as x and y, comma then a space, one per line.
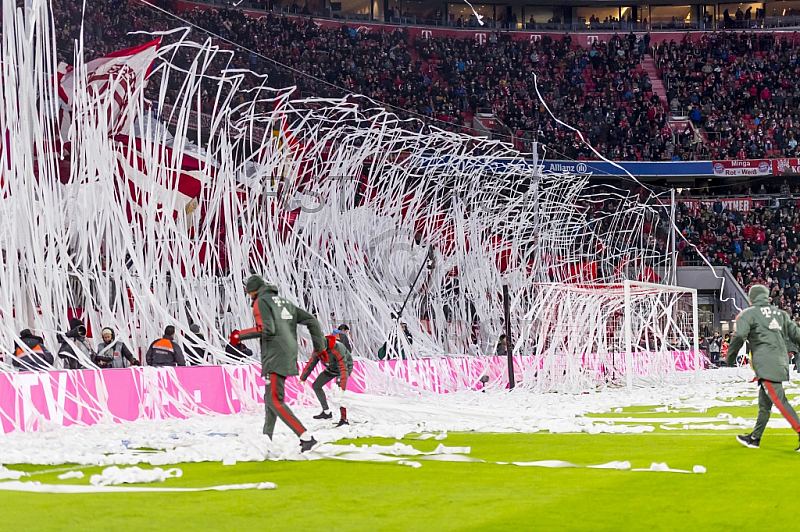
752, 489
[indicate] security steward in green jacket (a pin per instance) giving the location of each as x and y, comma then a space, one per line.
766, 328
276, 326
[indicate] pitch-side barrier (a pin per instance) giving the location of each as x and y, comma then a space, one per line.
35, 400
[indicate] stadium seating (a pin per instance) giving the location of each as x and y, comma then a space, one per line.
744, 86
760, 246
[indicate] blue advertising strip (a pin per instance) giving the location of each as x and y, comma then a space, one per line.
596, 168
638, 169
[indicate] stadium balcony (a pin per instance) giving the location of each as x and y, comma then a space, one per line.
569, 18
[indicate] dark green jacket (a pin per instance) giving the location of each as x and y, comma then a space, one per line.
336, 357
276, 326
791, 345
766, 327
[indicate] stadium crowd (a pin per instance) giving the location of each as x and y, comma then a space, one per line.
742, 90
761, 245
602, 90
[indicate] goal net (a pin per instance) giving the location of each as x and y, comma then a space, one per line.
584, 337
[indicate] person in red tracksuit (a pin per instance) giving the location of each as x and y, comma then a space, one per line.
338, 365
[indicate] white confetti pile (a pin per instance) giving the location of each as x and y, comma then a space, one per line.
38, 487
71, 475
111, 476
238, 438
6, 474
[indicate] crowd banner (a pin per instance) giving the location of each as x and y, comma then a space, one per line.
752, 168
786, 166
731, 204
32, 401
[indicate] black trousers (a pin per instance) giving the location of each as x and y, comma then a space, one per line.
319, 388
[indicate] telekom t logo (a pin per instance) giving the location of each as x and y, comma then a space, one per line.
481, 38
426, 34
535, 38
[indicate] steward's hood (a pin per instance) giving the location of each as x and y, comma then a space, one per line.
268, 288
758, 295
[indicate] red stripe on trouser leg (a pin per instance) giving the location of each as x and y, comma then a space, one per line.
306, 371
781, 408
342, 369
289, 419
343, 377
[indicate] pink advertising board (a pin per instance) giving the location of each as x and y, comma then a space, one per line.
30, 401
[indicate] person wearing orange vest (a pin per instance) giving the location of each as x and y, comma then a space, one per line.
164, 351
338, 365
34, 356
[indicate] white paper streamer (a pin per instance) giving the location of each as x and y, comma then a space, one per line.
37, 487
340, 208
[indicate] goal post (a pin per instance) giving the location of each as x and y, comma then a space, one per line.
672, 309
581, 337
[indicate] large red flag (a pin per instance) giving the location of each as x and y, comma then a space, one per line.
114, 78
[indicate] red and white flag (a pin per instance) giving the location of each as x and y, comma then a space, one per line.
112, 81
182, 180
